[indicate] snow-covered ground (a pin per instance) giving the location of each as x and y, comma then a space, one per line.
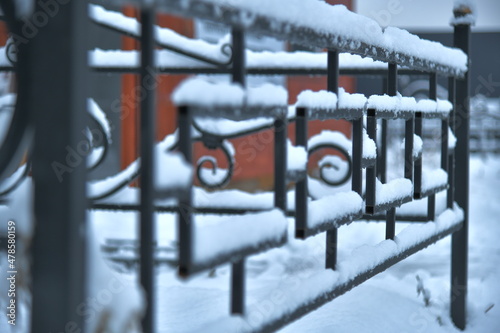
386, 303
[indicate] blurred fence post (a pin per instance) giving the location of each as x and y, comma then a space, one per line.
55, 87
459, 245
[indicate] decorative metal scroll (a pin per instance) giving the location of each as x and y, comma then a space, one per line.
330, 164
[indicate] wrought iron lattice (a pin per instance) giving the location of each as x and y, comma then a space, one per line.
41, 100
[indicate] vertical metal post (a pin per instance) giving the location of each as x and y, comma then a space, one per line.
332, 86
357, 155
371, 172
409, 131
459, 242
382, 148
431, 200
146, 146
301, 190
382, 160
185, 201
451, 153
392, 89
55, 83
417, 177
280, 158
238, 268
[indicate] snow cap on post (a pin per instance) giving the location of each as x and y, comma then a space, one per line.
464, 12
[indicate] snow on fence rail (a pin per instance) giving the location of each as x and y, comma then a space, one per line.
352, 33
217, 225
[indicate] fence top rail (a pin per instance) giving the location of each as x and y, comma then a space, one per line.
325, 26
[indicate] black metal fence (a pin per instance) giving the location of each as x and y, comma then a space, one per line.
51, 70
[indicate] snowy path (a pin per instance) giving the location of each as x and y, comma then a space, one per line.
389, 303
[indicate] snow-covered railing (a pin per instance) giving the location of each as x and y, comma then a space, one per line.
352, 33
218, 226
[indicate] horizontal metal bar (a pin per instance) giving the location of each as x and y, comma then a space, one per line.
337, 113
252, 71
431, 191
392, 204
239, 113
328, 225
399, 218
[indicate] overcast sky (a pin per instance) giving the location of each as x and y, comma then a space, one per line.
427, 15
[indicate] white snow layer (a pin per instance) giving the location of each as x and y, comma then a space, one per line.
394, 190
165, 36
352, 26
369, 146
327, 100
452, 139
215, 235
254, 60
391, 103
317, 99
171, 170
296, 157
201, 93
338, 138
444, 106
99, 115
333, 207
120, 301
433, 179
351, 101
316, 285
358, 28
11, 180
467, 7
97, 188
4, 61
417, 145
333, 167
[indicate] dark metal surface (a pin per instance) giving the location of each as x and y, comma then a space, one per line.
54, 84
451, 153
417, 176
147, 171
371, 172
332, 86
459, 240
251, 71
392, 90
357, 152
185, 203
431, 200
238, 267
301, 187
19, 136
